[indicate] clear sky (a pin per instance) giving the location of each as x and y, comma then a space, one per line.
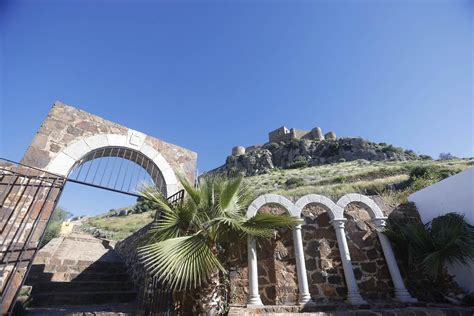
209, 75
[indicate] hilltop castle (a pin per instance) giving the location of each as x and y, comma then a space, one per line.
285, 134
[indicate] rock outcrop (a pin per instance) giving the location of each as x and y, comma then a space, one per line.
298, 153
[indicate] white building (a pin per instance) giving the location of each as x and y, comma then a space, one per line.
453, 194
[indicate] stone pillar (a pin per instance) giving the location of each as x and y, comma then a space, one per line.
353, 295
254, 296
401, 293
304, 296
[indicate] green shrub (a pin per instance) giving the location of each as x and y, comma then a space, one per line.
391, 148
426, 157
446, 239
421, 172
272, 146
299, 162
54, 227
294, 182
294, 143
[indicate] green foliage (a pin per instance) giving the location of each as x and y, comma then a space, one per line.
187, 246
143, 205
391, 148
425, 157
294, 143
299, 162
294, 182
446, 239
424, 176
272, 146
54, 227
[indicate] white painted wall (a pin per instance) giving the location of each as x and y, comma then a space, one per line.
453, 194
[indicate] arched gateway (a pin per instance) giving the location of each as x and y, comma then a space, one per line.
67, 140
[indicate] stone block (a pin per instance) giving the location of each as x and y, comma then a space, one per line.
97, 141
77, 149
61, 165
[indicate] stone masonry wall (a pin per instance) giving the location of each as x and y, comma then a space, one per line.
65, 125
277, 268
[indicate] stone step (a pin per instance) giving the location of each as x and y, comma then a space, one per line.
82, 286
33, 278
103, 267
116, 309
47, 299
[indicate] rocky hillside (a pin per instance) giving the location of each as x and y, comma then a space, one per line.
394, 180
299, 153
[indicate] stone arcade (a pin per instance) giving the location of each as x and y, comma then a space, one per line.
336, 213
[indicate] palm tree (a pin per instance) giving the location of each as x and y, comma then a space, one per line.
445, 240
184, 247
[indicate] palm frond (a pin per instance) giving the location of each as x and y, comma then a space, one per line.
181, 263
264, 224
190, 190
229, 192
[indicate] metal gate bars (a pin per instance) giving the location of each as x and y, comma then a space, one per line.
28, 197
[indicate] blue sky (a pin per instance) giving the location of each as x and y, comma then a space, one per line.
208, 75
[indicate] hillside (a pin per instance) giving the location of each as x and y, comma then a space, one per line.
298, 153
370, 177
393, 180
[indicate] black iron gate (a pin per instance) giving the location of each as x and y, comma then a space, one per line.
28, 197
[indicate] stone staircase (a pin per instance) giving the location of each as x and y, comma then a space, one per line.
79, 271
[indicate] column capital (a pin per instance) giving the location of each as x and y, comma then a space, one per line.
380, 222
338, 222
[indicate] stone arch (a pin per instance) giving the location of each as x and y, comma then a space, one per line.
334, 210
255, 206
270, 199
70, 156
374, 210
67, 134
379, 220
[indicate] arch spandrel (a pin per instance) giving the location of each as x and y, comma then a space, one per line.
68, 134
372, 207
335, 211
265, 199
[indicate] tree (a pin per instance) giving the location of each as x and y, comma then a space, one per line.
446, 156
54, 227
446, 239
184, 247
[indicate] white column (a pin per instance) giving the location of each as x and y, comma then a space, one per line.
254, 296
353, 295
401, 293
304, 296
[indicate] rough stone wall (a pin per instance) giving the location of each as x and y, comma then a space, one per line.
323, 261
65, 125
277, 268
368, 261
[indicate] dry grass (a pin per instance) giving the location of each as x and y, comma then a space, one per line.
335, 180
121, 226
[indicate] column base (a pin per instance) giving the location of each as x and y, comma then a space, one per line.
404, 296
254, 301
304, 299
355, 299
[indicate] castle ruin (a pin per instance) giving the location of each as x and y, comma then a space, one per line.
284, 134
